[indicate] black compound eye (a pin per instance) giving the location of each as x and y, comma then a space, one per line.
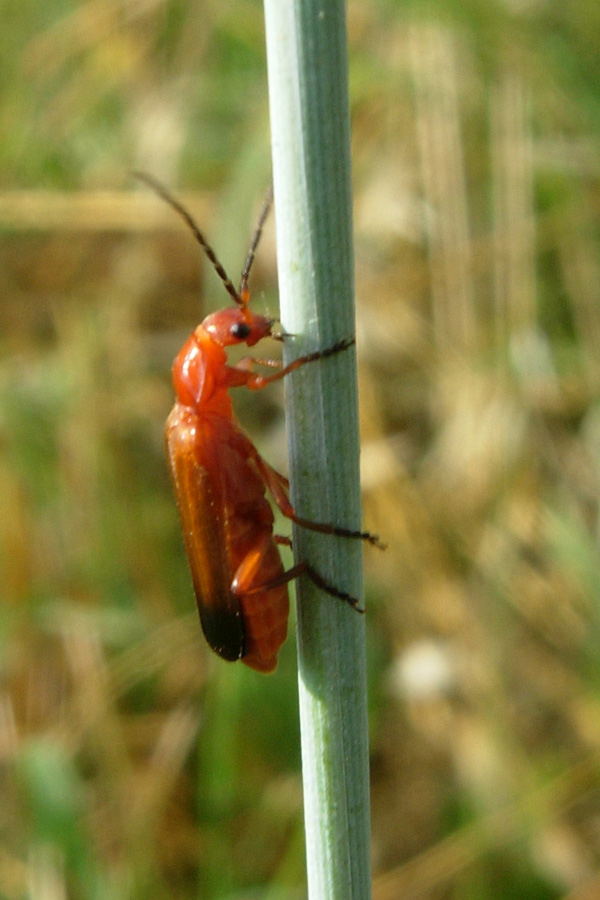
240, 331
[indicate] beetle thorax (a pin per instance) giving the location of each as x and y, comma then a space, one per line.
194, 371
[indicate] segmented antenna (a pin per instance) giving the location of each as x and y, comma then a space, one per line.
158, 188
243, 292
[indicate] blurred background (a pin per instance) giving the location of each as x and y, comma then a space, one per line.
133, 763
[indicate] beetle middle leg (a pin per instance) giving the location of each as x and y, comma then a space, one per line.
278, 487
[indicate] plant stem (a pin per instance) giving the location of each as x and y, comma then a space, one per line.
306, 51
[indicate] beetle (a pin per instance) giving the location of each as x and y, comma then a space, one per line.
220, 479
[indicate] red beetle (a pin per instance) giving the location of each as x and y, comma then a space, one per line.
220, 479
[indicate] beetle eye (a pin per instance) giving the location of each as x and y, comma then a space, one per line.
240, 331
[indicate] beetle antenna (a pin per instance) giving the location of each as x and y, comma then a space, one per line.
243, 292
162, 192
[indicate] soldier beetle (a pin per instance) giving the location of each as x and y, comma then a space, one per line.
220, 479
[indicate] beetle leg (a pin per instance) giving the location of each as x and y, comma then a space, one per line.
257, 382
303, 568
243, 580
278, 486
247, 363
244, 585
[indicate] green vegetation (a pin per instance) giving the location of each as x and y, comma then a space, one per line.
310, 128
134, 764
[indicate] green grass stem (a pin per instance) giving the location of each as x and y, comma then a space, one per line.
307, 63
